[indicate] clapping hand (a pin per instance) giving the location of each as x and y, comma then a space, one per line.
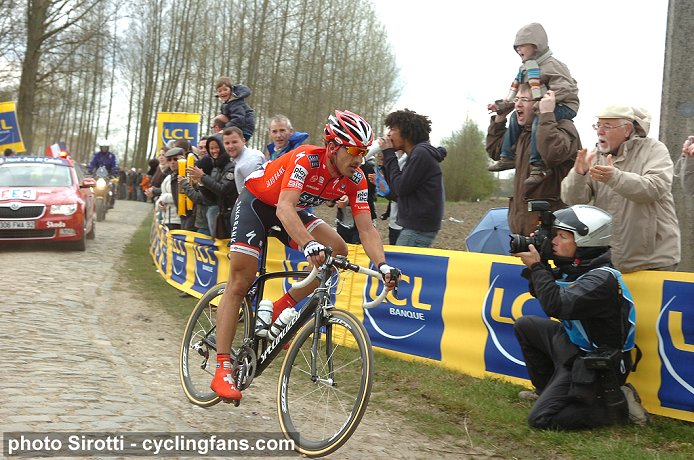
688, 147
603, 173
584, 159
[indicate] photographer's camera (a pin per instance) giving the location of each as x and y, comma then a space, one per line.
542, 237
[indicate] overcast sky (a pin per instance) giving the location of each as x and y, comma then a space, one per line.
457, 56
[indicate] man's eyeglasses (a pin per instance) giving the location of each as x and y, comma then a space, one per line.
597, 126
522, 99
357, 151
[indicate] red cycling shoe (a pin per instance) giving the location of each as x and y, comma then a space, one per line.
223, 382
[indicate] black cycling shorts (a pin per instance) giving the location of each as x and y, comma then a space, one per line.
252, 221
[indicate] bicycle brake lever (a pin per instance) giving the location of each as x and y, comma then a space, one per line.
395, 275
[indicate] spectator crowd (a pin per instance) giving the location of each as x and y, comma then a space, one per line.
612, 204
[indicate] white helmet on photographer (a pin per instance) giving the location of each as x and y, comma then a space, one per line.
591, 226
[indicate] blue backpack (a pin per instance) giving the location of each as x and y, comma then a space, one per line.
577, 333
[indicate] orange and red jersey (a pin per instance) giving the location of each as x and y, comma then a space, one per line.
304, 169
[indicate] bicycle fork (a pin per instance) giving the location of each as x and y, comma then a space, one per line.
320, 322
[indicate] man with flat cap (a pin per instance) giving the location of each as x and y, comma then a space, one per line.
169, 190
630, 176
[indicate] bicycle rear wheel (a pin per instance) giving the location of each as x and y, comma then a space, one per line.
198, 348
321, 411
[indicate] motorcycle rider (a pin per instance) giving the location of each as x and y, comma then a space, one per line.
104, 157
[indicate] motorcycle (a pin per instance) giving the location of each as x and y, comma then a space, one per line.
105, 193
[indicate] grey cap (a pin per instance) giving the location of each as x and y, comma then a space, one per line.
175, 152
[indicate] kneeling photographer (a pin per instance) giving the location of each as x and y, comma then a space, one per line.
578, 365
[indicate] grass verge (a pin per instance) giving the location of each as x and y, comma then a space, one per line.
143, 275
444, 404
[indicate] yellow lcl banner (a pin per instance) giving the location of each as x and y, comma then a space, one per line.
10, 137
177, 125
457, 309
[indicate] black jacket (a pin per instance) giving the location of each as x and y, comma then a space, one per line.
419, 186
219, 186
595, 298
238, 111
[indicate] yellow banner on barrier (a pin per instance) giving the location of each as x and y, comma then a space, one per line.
177, 125
10, 136
457, 309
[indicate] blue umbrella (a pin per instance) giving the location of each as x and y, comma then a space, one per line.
491, 235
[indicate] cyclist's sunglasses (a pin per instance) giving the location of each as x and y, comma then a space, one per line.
357, 151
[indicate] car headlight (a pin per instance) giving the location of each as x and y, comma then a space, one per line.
64, 209
101, 183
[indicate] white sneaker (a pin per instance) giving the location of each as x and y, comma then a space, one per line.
637, 414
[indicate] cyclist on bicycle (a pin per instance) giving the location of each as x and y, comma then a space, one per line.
277, 195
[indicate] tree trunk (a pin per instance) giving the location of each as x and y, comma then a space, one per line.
37, 11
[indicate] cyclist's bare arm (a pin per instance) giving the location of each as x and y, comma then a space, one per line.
286, 213
371, 242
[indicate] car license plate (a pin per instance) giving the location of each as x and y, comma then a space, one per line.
18, 194
14, 224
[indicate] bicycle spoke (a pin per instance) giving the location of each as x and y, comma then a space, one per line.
198, 349
326, 411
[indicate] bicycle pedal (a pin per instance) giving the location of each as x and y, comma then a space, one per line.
235, 402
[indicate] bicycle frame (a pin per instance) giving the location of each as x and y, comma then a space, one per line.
265, 352
272, 349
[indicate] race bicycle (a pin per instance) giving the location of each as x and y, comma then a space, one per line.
327, 373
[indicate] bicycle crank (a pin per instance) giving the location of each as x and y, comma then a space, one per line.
244, 367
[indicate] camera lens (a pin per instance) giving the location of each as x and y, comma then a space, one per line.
520, 243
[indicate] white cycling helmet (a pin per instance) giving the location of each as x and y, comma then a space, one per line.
103, 143
348, 129
591, 226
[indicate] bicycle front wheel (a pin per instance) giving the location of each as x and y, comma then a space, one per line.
321, 403
197, 360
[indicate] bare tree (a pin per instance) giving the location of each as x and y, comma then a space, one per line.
83, 64
46, 22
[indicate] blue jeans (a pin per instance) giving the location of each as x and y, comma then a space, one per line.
409, 237
561, 112
212, 211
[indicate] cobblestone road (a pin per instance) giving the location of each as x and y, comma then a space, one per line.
81, 352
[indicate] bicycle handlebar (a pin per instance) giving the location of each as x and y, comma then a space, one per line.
306, 281
343, 263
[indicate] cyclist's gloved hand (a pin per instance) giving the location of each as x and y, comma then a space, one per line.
313, 248
394, 273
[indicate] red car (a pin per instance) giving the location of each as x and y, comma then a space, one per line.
48, 199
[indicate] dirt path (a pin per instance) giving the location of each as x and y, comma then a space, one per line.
81, 352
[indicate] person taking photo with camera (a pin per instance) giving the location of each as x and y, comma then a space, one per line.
579, 365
